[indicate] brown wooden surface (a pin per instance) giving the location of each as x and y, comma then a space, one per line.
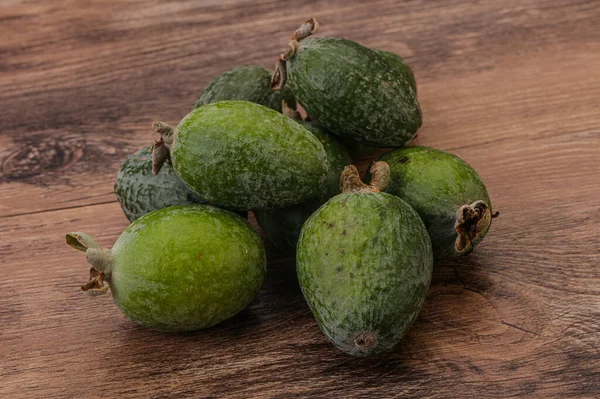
511, 86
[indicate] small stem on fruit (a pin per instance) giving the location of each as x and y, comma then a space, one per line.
294, 45
471, 220
279, 77
306, 29
101, 259
381, 175
161, 150
350, 181
165, 130
160, 155
81, 241
96, 285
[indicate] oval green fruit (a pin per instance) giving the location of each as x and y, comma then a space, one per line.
349, 89
395, 61
139, 192
364, 264
245, 156
181, 268
248, 83
401, 66
447, 193
283, 226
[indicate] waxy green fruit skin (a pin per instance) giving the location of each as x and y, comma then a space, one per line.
364, 264
436, 184
248, 83
353, 92
245, 156
186, 268
401, 67
283, 226
139, 192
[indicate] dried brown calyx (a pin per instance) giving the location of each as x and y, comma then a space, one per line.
101, 260
279, 77
96, 285
365, 340
471, 221
350, 181
161, 149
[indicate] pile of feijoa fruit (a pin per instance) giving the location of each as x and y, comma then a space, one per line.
365, 247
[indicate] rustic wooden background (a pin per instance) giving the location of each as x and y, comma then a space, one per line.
511, 86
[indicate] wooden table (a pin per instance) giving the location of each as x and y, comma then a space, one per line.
511, 86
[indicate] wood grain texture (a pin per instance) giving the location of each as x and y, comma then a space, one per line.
511, 86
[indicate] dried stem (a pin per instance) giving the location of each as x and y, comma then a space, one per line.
101, 259
96, 285
165, 130
279, 77
161, 150
102, 262
81, 241
471, 220
381, 175
350, 181
306, 29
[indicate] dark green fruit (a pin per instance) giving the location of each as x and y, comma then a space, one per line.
364, 264
349, 89
242, 155
248, 83
139, 192
403, 69
181, 268
447, 193
401, 66
283, 226
395, 61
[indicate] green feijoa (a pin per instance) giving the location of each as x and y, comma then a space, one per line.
243, 155
349, 89
181, 268
248, 83
283, 226
395, 61
364, 263
139, 192
401, 66
447, 193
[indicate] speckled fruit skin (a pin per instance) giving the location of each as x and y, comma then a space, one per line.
186, 268
139, 192
353, 92
401, 66
436, 184
246, 156
403, 69
364, 264
248, 83
283, 226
